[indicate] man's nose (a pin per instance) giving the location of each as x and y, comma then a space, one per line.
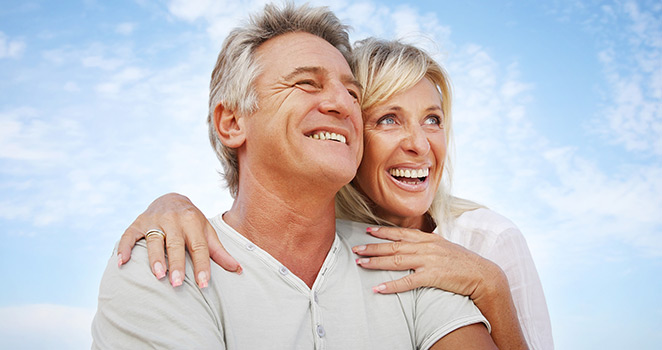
338, 101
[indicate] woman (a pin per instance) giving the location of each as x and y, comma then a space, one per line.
407, 129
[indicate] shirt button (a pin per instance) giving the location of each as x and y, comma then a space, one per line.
317, 300
282, 270
250, 246
320, 331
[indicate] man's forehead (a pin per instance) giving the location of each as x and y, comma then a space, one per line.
300, 49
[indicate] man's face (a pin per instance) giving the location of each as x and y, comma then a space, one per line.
308, 126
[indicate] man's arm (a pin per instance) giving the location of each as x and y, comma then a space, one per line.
473, 336
135, 311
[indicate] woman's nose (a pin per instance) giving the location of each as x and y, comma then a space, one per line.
416, 141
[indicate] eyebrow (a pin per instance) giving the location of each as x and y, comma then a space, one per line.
345, 78
434, 108
303, 70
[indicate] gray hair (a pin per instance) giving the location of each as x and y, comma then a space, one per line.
233, 77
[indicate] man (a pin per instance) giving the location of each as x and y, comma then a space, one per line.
278, 81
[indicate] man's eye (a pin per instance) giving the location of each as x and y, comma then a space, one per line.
307, 82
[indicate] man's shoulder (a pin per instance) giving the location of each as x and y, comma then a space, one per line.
355, 232
131, 300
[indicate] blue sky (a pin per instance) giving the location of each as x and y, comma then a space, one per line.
558, 122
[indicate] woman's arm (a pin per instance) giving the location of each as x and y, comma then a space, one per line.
186, 228
442, 264
511, 252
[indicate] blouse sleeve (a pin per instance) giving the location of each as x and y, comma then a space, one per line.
512, 254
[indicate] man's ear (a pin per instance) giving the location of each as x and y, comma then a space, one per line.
229, 127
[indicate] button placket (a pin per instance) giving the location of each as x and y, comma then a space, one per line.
320, 331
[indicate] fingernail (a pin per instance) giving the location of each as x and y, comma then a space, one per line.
372, 229
358, 248
239, 270
176, 278
362, 261
202, 279
379, 288
119, 260
159, 270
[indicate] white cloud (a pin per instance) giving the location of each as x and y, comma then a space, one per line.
125, 28
554, 193
220, 16
631, 64
94, 55
25, 136
119, 80
11, 48
98, 61
71, 86
591, 206
45, 326
192, 10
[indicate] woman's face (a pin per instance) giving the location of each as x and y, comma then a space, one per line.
404, 151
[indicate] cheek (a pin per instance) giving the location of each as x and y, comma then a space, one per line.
369, 167
438, 146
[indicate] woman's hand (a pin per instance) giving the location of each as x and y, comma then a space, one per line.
185, 227
445, 265
436, 262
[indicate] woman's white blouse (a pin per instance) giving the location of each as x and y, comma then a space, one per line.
496, 238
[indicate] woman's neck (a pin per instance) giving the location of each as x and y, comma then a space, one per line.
423, 222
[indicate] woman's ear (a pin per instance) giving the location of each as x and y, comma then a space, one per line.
229, 127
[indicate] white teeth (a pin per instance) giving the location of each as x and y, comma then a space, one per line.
325, 135
410, 173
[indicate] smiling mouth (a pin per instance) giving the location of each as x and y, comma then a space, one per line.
331, 136
409, 176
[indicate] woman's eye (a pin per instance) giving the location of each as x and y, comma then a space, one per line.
388, 119
432, 120
353, 94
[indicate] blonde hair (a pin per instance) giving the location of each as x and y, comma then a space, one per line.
233, 77
385, 68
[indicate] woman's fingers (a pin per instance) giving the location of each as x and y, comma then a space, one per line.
185, 227
156, 254
400, 247
175, 247
218, 252
398, 262
127, 241
409, 282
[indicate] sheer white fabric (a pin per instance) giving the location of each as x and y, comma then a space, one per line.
496, 238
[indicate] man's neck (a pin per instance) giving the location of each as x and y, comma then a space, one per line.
296, 228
